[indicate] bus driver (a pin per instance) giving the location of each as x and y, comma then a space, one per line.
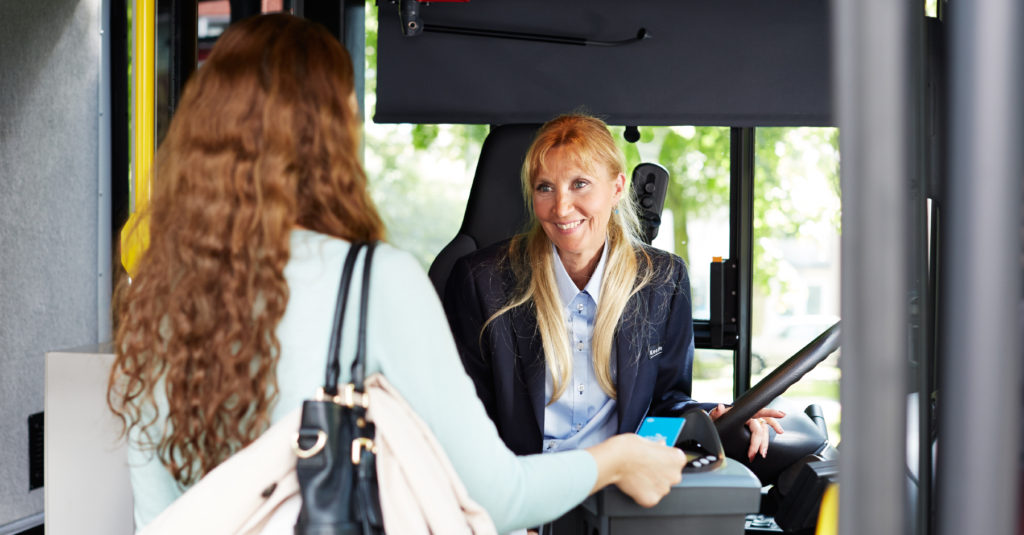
615, 337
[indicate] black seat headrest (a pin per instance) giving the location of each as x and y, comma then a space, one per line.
495, 209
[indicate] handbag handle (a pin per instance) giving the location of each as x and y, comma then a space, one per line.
334, 348
359, 363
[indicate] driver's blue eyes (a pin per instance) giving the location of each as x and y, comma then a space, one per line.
576, 184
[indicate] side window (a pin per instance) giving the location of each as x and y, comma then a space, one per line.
421, 193
796, 257
796, 243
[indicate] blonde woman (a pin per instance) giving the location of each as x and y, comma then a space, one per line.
224, 328
576, 330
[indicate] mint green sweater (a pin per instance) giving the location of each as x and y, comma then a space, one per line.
408, 340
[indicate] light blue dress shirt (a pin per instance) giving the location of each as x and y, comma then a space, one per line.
584, 415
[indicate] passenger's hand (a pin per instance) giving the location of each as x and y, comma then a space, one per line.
758, 426
642, 469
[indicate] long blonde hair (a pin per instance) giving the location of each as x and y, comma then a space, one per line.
627, 269
265, 139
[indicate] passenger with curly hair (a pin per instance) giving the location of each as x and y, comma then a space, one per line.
223, 329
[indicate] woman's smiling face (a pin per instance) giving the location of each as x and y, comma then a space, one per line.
573, 204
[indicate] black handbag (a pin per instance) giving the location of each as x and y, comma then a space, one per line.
336, 465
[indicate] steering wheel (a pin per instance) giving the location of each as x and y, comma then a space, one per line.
801, 436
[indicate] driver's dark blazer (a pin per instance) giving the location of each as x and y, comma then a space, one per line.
654, 346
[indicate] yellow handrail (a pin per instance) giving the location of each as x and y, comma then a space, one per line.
135, 235
828, 514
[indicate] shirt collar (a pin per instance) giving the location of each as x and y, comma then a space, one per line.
567, 289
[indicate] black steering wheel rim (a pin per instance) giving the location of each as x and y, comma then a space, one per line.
779, 380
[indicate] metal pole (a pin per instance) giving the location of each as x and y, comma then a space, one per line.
919, 328
741, 246
184, 20
120, 144
981, 352
874, 74
934, 123
135, 235
104, 273
354, 39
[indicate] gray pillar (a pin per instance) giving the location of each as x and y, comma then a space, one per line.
980, 344
875, 72
52, 285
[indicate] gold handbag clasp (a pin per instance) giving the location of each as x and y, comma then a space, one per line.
300, 452
357, 448
346, 398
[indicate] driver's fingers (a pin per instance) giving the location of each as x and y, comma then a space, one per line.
774, 425
769, 413
758, 437
764, 442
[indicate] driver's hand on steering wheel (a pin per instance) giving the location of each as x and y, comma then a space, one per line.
758, 425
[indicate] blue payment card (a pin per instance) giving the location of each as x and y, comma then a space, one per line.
661, 429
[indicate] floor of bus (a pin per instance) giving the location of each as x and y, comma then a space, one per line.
760, 524
755, 525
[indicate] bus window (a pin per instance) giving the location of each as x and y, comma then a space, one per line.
712, 375
421, 193
694, 223
796, 257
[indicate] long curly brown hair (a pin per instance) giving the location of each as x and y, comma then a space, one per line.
265, 139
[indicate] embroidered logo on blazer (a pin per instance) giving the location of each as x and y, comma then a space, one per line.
653, 352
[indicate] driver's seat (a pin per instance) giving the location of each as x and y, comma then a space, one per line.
495, 209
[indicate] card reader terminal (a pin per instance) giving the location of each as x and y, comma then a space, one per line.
694, 433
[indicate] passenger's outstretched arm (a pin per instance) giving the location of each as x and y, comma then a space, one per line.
421, 361
642, 469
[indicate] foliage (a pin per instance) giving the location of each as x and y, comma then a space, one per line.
698, 162
796, 192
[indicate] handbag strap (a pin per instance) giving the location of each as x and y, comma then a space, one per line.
334, 348
359, 363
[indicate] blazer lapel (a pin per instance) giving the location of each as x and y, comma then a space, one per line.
530, 359
627, 358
